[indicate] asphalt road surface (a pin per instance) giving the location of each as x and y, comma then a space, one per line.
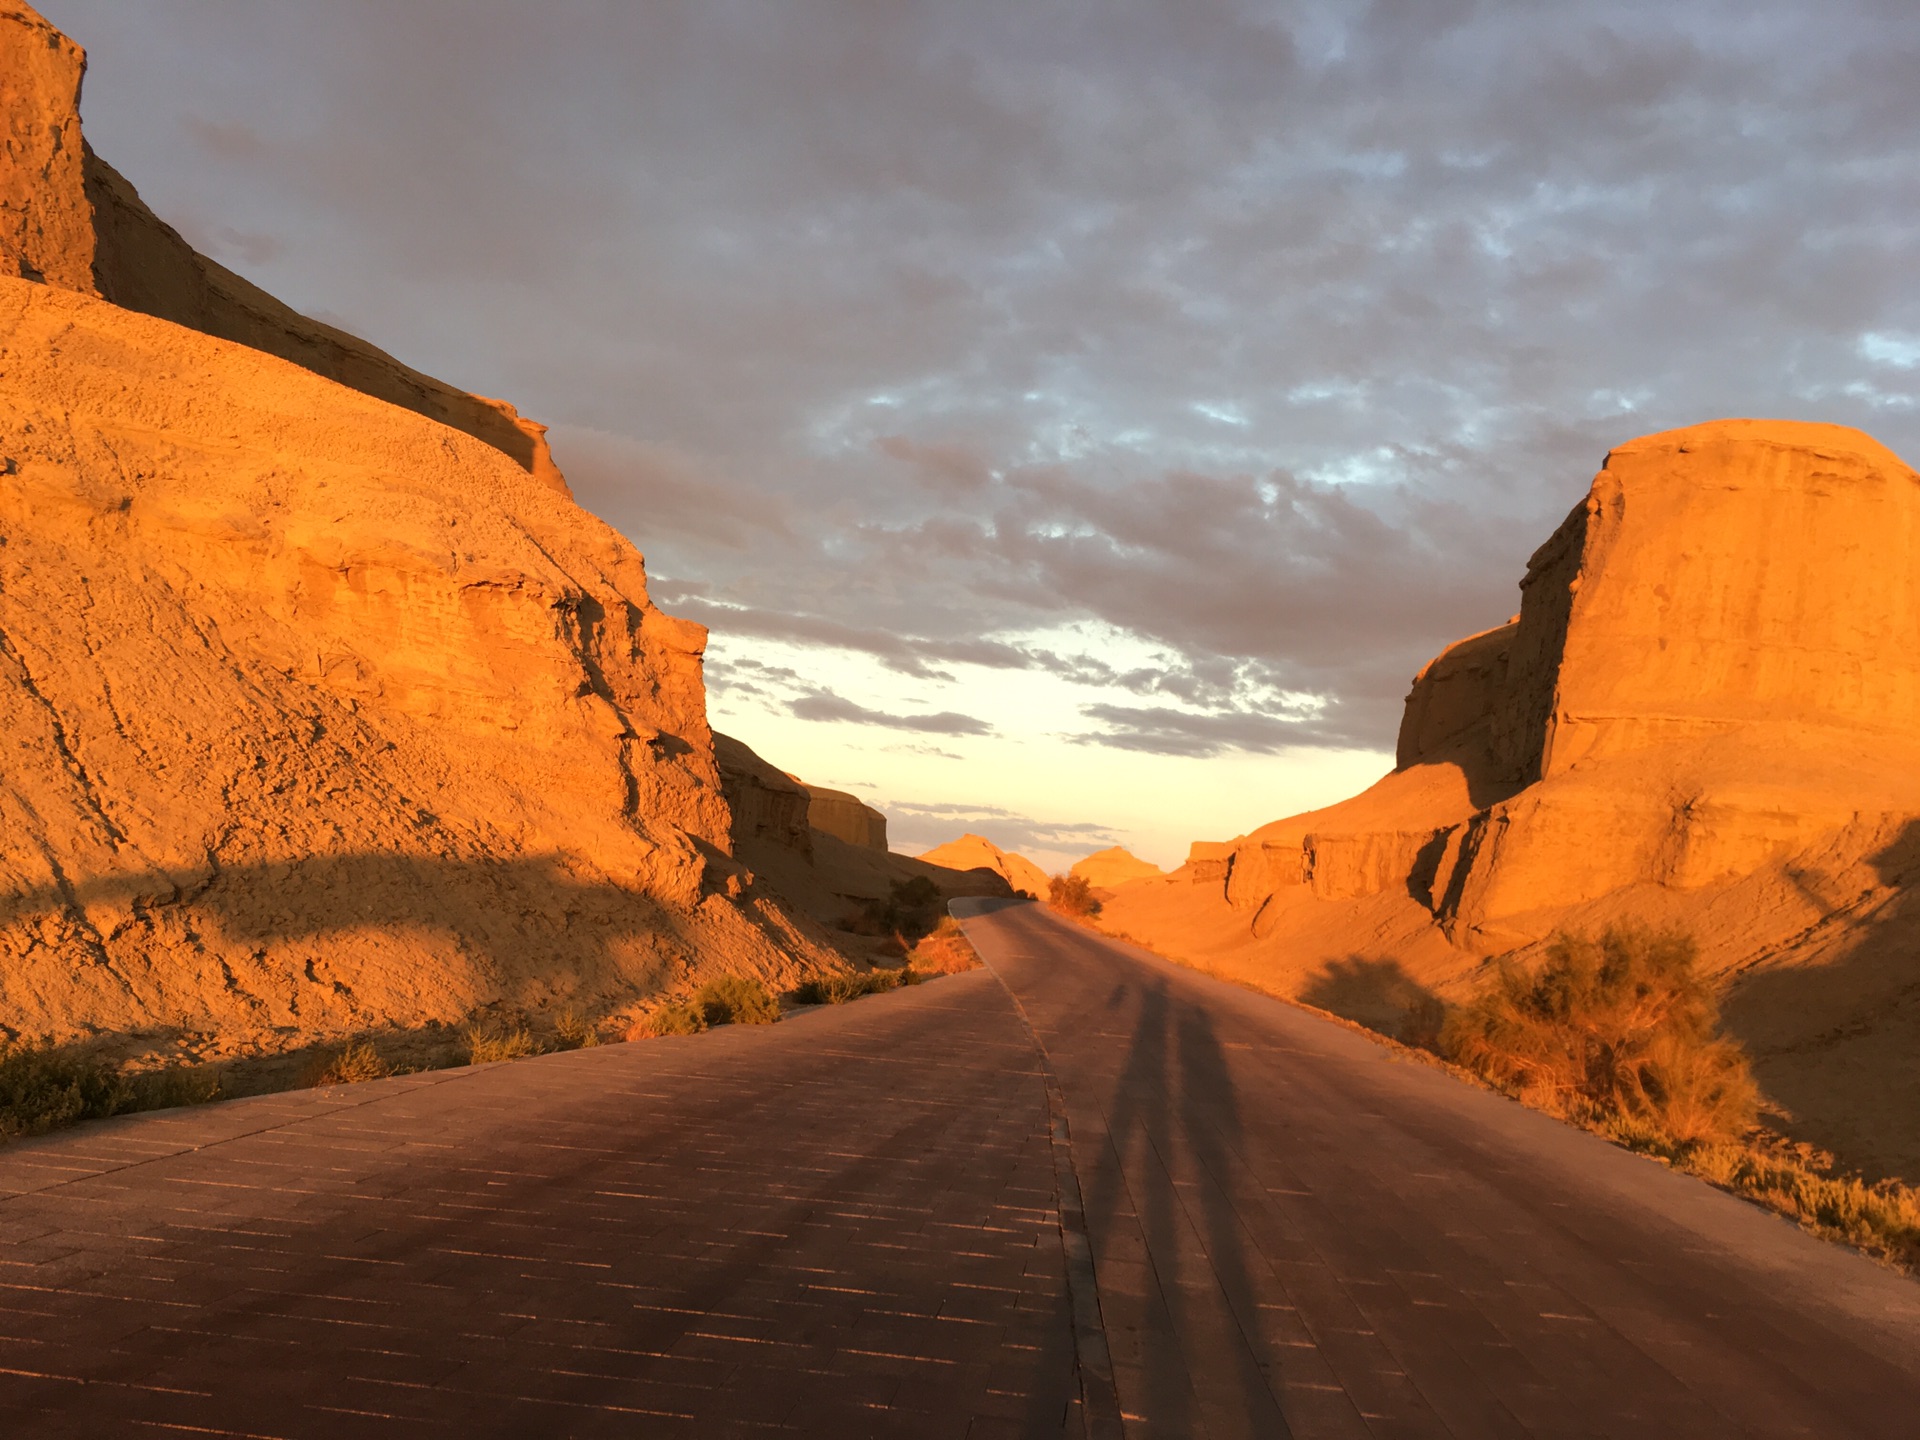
1083, 1192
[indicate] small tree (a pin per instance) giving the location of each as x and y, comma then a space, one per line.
1072, 895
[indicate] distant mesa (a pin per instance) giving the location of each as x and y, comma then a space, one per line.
1111, 868
1706, 713
971, 852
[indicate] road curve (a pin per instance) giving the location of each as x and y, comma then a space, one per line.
1293, 1230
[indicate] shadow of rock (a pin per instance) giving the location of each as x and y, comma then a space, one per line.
1375, 993
1833, 1023
283, 952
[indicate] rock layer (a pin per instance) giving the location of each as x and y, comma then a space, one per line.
1704, 714
323, 715
67, 218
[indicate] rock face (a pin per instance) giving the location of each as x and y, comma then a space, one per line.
1704, 714
977, 852
1109, 869
69, 219
777, 831
846, 817
325, 708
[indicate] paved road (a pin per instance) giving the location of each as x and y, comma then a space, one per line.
909, 1216
1295, 1231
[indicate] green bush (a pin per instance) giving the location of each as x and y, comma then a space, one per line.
912, 909
838, 989
736, 1000
1618, 1027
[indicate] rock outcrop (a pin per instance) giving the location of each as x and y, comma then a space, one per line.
1705, 713
846, 817
972, 852
1113, 867
325, 708
68, 219
834, 879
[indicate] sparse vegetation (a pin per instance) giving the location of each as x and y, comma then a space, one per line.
912, 909
736, 1000
944, 951
512, 1043
573, 1031
45, 1086
838, 989
1621, 1036
358, 1062
1072, 895
681, 1018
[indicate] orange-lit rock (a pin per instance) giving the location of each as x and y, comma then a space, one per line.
1707, 713
1114, 866
977, 852
69, 219
321, 715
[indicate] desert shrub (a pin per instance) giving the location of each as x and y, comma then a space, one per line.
680, 1018
912, 909
44, 1086
573, 1031
170, 1089
1618, 1028
839, 989
736, 1000
1424, 1024
514, 1043
358, 1061
1072, 895
946, 951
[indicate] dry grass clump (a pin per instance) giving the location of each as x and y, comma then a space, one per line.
946, 951
737, 1000
1620, 1027
728, 1000
358, 1062
839, 989
1621, 1036
512, 1043
1072, 895
573, 1031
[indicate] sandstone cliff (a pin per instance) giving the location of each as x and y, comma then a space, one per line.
326, 709
1704, 714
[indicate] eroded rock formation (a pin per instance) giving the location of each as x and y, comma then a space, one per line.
325, 708
1705, 713
971, 852
1113, 867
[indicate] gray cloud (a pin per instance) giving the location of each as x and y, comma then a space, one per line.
822, 706
1273, 336
921, 827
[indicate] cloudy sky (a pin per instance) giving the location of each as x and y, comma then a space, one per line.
1076, 419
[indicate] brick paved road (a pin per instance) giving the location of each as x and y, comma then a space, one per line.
853, 1223
841, 1225
1293, 1230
